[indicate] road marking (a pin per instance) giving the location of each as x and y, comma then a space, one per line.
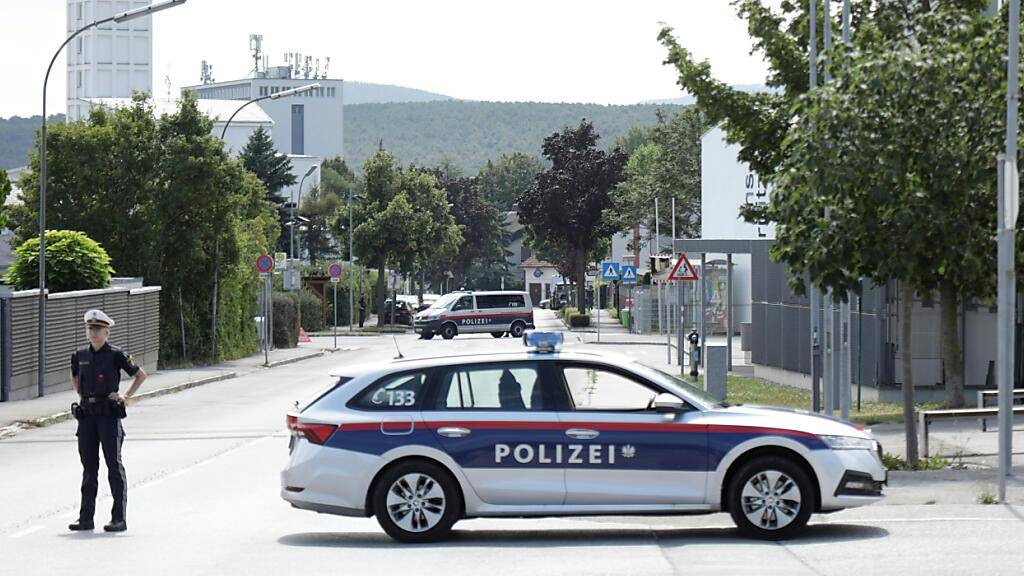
26, 531
178, 473
152, 483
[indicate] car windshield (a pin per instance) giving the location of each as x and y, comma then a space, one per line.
672, 380
444, 302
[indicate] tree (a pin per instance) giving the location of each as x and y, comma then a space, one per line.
503, 181
5, 190
169, 205
73, 262
897, 151
273, 169
479, 224
565, 204
319, 207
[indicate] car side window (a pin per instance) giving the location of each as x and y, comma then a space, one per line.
464, 303
397, 392
594, 388
516, 387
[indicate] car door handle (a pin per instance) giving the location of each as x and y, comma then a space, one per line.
453, 431
582, 433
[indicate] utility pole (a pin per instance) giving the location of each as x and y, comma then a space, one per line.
815, 294
1007, 291
845, 350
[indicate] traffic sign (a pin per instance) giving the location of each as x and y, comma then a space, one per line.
628, 272
683, 270
335, 279
264, 263
334, 270
609, 271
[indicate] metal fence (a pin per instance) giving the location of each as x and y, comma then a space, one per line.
135, 311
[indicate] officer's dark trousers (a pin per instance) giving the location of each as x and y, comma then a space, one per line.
93, 432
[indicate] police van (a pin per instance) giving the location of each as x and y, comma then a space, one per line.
498, 313
423, 443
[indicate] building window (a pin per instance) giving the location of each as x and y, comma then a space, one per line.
78, 81
298, 129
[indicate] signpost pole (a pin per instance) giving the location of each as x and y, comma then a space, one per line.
268, 333
335, 315
597, 308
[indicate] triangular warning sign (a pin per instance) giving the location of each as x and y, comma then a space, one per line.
303, 337
683, 270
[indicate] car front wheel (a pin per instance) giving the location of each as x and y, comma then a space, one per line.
771, 498
417, 502
448, 331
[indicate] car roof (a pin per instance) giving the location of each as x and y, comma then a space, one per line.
399, 364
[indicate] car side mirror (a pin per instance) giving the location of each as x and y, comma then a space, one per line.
666, 402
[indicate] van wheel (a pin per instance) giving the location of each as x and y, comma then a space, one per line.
771, 498
448, 331
426, 335
497, 334
417, 502
517, 329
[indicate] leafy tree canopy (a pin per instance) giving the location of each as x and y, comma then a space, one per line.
73, 262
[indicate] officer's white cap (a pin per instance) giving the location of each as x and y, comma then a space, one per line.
95, 316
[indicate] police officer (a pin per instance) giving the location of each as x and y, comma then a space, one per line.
362, 310
96, 374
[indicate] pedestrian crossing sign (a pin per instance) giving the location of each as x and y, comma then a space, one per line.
609, 271
628, 273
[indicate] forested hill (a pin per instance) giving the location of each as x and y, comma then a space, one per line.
469, 133
17, 137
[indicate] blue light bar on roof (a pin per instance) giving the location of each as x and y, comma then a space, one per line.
542, 341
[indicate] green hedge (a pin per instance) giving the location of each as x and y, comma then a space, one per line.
286, 322
579, 320
312, 308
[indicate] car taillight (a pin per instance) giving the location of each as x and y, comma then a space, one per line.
315, 433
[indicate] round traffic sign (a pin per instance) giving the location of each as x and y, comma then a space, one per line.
264, 263
334, 270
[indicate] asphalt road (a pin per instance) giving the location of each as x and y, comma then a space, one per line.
203, 471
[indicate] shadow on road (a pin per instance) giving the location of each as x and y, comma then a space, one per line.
601, 537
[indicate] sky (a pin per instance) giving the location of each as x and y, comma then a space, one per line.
527, 50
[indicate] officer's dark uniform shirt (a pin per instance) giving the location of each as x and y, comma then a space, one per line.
99, 371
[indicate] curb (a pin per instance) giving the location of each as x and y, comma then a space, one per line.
276, 363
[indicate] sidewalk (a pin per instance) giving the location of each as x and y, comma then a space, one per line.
54, 407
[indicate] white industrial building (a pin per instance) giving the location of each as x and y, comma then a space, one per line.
108, 61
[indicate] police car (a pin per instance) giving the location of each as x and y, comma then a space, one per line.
423, 443
497, 313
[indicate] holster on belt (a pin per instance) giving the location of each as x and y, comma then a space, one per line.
76, 410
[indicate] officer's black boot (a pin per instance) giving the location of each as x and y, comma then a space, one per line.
81, 525
116, 526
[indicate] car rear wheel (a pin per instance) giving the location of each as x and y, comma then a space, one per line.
417, 502
771, 498
517, 329
448, 331
497, 334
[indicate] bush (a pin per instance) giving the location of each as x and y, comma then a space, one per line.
579, 320
73, 262
286, 322
312, 309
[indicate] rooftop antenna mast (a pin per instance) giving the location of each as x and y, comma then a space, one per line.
256, 47
327, 64
206, 76
307, 66
167, 82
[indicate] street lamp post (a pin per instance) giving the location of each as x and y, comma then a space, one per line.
119, 17
291, 239
351, 262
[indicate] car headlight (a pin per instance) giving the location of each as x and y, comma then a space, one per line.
848, 442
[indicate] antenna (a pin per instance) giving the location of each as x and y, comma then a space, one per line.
316, 73
256, 47
327, 63
397, 349
306, 66
167, 82
206, 76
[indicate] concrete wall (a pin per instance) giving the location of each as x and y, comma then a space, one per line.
137, 330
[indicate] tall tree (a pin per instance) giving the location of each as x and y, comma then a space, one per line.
273, 169
565, 204
5, 190
503, 181
479, 224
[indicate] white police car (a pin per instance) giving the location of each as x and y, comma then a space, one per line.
422, 443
